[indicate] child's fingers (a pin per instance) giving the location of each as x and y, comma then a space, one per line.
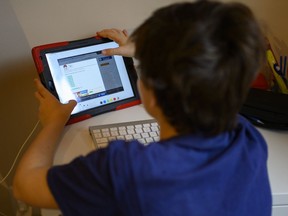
71, 105
40, 88
38, 96
110, 52
116, 35
125, 32
43, 92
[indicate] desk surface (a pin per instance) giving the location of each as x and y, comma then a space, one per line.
77, 141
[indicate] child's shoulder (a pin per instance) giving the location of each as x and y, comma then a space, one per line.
243, 134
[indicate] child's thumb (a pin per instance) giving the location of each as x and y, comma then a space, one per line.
71, 104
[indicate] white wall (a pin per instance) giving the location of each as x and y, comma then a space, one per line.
18, 108
49, 21
273, 16
53, 20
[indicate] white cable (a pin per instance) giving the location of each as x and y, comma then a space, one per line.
16, 158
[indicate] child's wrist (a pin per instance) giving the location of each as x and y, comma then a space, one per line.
58, 123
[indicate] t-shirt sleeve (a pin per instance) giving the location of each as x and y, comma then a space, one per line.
83, 185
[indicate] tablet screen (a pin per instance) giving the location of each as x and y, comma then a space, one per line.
92, 79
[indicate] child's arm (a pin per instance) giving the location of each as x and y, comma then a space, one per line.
126, 47
30, 182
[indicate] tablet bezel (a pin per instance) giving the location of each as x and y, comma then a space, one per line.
44, 72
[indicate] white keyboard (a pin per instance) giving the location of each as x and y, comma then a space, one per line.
145, 131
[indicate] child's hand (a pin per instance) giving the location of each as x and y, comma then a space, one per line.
126, 47
51, 111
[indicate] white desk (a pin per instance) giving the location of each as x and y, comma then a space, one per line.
278, 169
76, 141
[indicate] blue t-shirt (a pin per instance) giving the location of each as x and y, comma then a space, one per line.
224, 175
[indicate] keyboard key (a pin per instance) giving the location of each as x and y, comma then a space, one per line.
146, 129
143, 141
111, 138
120, 137
102, 140
128, 137
144, 135
114, 133
97, 135
137, 136
153, 134
154, 128
122, 132
113, 129
138, 130
156, 139
149, 139
106, 134
105, 130
102, 145
130, 131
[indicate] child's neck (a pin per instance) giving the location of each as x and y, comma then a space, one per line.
167, 131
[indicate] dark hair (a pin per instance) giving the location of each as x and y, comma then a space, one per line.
200, 59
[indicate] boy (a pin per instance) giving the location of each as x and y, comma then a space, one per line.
196, 62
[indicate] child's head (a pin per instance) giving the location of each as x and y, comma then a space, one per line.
200, 59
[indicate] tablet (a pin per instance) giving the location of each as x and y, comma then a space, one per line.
77, 70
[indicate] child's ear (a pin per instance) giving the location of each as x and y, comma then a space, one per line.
148, 97
152, 104
152, 99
